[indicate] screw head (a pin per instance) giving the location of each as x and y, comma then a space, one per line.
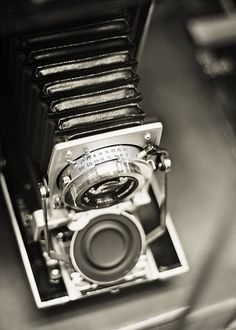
60, 235
55, 274
66, 179
68, 155
165, 164
147, 136
57, 202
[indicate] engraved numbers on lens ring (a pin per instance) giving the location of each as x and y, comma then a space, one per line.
104, 176
91, 159
96, 157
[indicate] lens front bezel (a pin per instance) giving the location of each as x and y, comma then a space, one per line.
137, 247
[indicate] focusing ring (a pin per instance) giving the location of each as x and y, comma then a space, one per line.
103, 178
108, 248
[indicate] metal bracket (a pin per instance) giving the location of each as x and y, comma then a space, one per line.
44, 192
163, 164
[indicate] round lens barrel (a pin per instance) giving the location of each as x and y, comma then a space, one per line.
107, 248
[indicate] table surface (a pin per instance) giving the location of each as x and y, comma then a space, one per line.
201, 196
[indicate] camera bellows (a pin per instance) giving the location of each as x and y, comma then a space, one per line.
74, 81
107, 248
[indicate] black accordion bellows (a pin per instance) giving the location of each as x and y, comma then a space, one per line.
75, 80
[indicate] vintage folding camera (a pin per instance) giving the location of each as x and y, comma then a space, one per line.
88, 197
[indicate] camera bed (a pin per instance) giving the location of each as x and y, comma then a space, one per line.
165, 254
55, 281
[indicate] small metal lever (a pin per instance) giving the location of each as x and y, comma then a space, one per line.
163, 161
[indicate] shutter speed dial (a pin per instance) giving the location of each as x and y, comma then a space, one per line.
104, 177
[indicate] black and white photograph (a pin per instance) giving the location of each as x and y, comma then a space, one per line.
118, 164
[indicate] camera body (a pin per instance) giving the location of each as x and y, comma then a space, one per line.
78, 250
88, 197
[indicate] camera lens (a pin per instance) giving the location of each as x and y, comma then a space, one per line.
103, 177
109, 192
107, 248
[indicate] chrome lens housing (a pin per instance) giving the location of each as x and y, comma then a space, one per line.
104, 177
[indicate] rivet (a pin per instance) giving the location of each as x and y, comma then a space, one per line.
147, 136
